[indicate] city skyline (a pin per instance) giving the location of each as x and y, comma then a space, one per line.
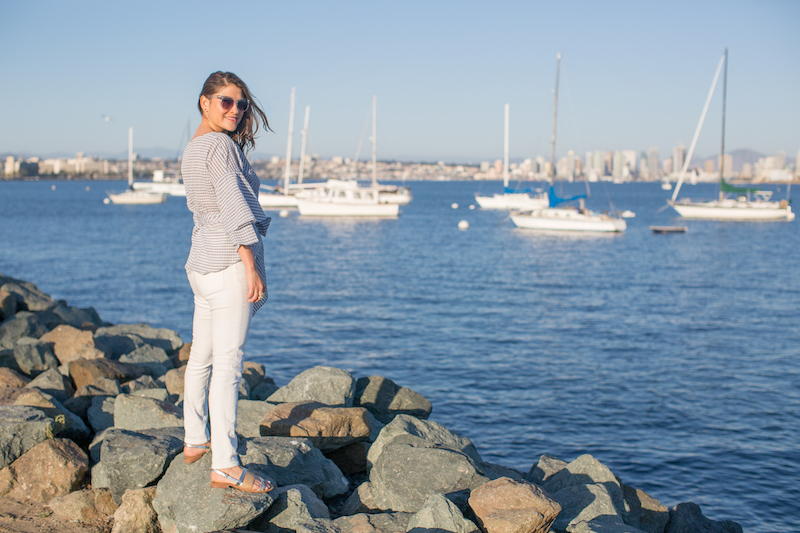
633, 76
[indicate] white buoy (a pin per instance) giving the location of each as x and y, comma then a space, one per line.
87, 187
463, 224
52, 187
454, 205
283, 213
628, 214
106, 201
472, 207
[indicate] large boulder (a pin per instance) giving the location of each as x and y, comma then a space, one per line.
385, 399
582, 472
644, 512
591, 502
374, 523
174, 380
250, 413
253, 373
328, 428
85, 371
152, 359
687, 518
294, 506
51, 468
508, 506
8, 304
21, 429
83, 505
11, 384
440, 514
86, 318
139, 334
29, 297
34, 356
53, 383
22, 324
547, 467
66, 423
71, 343
133, 460
324, 384
101, 413
186, 503
137, 413
424, 430
136, 514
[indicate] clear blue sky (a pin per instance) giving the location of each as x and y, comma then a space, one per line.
634, 74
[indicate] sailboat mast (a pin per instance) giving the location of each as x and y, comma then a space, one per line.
505, 155
555, 121
722, 144
287, 171
374, 140
303, 146
130, 157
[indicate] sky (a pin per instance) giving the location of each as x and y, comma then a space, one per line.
633, 74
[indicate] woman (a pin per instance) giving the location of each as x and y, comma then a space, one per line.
226, 272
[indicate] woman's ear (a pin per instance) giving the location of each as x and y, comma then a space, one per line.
204, 101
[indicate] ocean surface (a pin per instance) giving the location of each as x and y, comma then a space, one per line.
673, 359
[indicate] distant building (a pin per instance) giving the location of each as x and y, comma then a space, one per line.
599, 163
10, 171
629, 157
617, 164
709, 167
678, 157
498, 166
780, 160
485, 166
337, 160
608, 163
644, 169
726, 165
747, 171
653, 162
667, 167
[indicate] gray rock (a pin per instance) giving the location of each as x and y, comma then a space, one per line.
157, 394
80, 406
53, 383
136, 514
166, 339
68, 425
152, 358
101, 413
377, 523
547, 467
244, 390
493, 471
207, 509
140, 383
98, 476
115, 345
410, 470
587, 470
95, 447
385, 399
594, 526
100, 387
264, 390
136, 413
361, 501
250, 415
76, 317
294, 505
8, 360
440, 515
324, 384
253, 373
8, 305
425, 430
133, 460
22, 324
644, 512
21, 428
294, 461
585, 503
687, 518
34, 357
29, 297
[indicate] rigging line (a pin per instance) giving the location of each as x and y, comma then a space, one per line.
571, 111
363, 133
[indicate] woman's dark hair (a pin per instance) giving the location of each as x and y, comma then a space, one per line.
245, 133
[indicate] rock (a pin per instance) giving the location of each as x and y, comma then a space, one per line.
166, 339
250, 415
598, 526
153, 359
28, 295
7, 360
70, 343
100, 387
80, 405
409, 472
181, 357
133, 460
547, 467
362, 500
136, 514
253, 373
244, 390
86, 371
351, 459
157, 394
66, 423
12, 379
85, 319
264, 390
294, 461
644, 512
323, 384
51, 468
328, 428
83, 505
22, 324
140, 383
425, 430
508, 506
21, 429
101, 413
8, 304
136, 413
374, 523
294, 505
53, 383
385, 399
586, 470
586, 503
34, 356
206, 509
174, 379
439, 514
493, 471
687, 518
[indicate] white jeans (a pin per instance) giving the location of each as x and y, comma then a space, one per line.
219, 331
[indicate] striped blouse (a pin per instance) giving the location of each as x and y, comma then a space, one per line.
222, 194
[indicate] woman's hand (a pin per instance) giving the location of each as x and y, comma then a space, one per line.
255, 285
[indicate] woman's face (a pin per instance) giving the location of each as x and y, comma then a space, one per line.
215, 115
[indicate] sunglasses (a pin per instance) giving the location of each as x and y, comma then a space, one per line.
227, 103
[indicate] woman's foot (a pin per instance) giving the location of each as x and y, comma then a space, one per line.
238, 478
193, 452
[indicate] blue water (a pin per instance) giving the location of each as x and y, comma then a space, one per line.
673, 359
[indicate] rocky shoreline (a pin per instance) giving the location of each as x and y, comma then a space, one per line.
91, 427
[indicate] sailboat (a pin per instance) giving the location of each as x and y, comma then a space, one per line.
748, 203
570, 218
131, 196
345, 198
511, 199
272, 198
170, 185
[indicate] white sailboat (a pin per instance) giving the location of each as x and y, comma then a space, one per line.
748, 204
271, 198
555, 218
345, 198
131, 196
510, 199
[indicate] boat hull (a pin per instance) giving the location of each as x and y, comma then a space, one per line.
555, 219
520, 201
734, 210
315, 208
172, 189
277, 201
137, 198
